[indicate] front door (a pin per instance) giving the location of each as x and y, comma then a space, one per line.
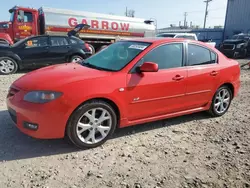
25, 25
203, 75
34, 51
158, 93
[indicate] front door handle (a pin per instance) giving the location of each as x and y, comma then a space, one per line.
213, 73
178, 78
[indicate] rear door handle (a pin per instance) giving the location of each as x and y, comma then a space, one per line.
213, 73
178, 78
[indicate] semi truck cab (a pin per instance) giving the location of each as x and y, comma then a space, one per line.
23, 23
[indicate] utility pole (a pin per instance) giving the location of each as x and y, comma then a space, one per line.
206, 12
185, 19
126, 13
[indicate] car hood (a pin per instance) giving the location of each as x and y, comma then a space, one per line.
2, 24
52, 77
233, 41
4, 47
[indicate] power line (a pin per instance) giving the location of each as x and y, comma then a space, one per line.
206, 12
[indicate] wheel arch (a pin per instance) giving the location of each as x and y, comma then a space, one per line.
230, 86
104, 99
73, 54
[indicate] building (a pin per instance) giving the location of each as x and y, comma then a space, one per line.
237, 18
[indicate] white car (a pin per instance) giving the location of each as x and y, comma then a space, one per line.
190, 36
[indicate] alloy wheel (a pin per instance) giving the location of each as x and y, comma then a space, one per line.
7, 66
76, 59
94, 126
222, 101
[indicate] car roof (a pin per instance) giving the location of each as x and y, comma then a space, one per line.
188, 34
160, 40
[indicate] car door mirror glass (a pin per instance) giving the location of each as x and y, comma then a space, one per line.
149, 67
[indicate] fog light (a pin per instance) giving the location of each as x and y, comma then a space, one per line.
30, 126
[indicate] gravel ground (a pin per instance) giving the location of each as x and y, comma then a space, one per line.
188, 151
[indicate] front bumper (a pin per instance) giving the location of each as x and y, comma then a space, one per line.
51, 118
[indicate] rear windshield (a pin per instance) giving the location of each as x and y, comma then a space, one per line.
75, 40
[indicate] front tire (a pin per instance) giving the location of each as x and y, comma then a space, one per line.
91, 124
8, 66
221, 101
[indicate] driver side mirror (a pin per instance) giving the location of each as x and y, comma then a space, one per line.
149, 67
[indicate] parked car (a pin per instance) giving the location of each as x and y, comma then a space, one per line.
128, 83
41, 51
191, 36
238, 46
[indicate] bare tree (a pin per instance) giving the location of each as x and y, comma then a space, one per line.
130, 12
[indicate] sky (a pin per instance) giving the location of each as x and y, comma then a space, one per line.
166, 12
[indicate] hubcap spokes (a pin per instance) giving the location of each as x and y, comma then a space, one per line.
6, 66
222, 101
77, 59
94, 126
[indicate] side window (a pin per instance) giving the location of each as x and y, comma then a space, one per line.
28, 17
167, 56
213, 57
37, 42
58, 41
198, 55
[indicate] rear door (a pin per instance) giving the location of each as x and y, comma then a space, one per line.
157, 93
34, 51
203, 75
59, 49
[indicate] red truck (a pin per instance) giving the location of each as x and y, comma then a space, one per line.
104, 29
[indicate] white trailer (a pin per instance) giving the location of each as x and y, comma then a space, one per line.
104, 28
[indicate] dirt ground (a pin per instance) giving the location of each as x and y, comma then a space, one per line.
189, 151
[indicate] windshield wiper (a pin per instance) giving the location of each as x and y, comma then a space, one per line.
86, 64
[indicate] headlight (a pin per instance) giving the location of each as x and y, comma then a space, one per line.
41, 96
240, 45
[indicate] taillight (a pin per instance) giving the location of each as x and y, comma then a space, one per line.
86, 45
12, 91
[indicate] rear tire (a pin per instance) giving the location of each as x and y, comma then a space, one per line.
92, 49
76, 59
221, 101
8, 66
91, 124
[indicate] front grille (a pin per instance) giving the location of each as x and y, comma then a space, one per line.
228, 46
12, 115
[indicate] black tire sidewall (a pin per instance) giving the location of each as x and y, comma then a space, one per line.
71, 127
212, 108
75, 56
92, 48
15, 65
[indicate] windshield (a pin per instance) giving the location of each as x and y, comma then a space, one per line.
18, 43
166, 35
116, 56
12, 14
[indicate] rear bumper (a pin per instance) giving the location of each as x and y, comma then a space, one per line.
236, 88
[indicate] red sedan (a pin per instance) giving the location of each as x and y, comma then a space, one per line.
128, 83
